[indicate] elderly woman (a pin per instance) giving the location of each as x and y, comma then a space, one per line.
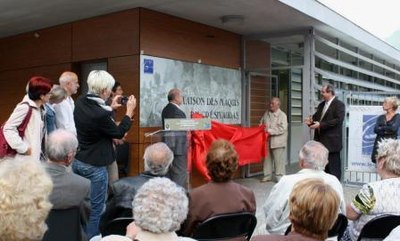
221, 195
96, 130
159, 208
377, 198
57, 95
30, 146
24, 190
387, 124
314, 207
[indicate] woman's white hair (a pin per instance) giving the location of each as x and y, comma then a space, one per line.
314, 155
160, 206
24, 205
389, 152
99, 80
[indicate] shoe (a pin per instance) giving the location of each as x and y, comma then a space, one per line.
266, 179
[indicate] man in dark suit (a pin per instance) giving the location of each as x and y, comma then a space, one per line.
328, 123
157, 159
176, 140
69, 190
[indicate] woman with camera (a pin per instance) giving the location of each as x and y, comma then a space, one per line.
96, 130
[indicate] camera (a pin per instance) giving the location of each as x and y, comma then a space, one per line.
123, 100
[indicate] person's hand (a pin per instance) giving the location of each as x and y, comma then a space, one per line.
308, 121
132, 230
315, 125
118, 142
115, 103
130, 106
28, 152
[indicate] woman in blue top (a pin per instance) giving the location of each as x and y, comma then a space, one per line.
387, 124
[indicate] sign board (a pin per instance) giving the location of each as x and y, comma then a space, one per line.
187, 124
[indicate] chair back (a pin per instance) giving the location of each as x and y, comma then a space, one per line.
379, 227
117, 226
337, 229
64, 225
226, 226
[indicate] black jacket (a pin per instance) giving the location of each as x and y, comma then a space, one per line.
122, 193
175, 140
330, 130
96, 129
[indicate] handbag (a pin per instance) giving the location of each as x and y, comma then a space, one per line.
5, 148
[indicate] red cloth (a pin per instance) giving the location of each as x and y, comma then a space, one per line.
250, 144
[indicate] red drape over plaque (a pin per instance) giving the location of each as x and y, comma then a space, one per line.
250, 143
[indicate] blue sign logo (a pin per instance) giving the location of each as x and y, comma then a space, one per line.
369, 135
148, 65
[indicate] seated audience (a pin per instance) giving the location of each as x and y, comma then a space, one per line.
159, 208
313, 158
377, 198
221, 195
314, 207
70, 190
157, 159
24, 205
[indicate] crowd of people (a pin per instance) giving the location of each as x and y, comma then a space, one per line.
66, 155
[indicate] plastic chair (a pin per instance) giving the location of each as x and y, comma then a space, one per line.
337, 230
117, 226
64, 225
379, 227
226, 226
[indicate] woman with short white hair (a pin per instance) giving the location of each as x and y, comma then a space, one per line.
96, 130
159, 208
380, 197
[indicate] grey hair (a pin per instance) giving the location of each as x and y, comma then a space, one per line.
98, 80
57, 93
389, 151
157, 159
59, 144
173, 93
314, 155
392, 100
276, 99
329, 88
160, 206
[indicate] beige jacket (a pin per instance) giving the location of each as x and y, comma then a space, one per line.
277, 127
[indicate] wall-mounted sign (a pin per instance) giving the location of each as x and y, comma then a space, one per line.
214, 92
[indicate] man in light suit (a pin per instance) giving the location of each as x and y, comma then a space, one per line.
328, 123
176, 140
70, 190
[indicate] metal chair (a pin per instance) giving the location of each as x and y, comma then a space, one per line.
379, 227
117, 226
226, 226
337, 229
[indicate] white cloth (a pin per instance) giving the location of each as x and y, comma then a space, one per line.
65, 114
148, 236
276, 207
34, 132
